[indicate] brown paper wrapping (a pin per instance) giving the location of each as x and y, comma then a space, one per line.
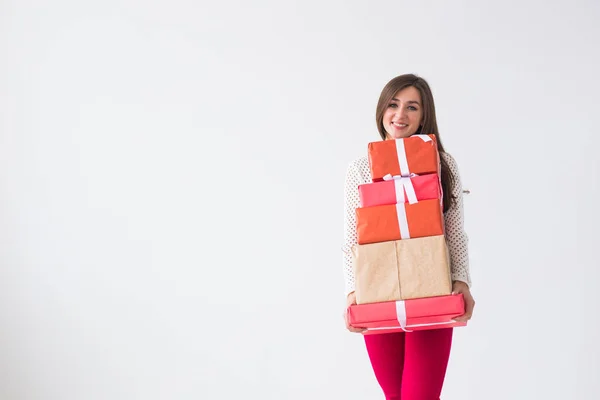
401, 269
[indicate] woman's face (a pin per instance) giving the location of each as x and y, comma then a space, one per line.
403, 115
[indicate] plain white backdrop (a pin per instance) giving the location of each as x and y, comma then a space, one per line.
171, 192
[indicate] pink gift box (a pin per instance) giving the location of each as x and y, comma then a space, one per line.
394, 190
408, 315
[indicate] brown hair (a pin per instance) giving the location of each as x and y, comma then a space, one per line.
428, 123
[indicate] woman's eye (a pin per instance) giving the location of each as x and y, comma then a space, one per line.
393, 105
412, 108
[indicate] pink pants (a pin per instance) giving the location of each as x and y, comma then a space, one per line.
412, 365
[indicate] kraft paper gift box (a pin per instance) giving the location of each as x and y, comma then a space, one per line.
393, 190
399, 221
417, 154
408, 315
401, 269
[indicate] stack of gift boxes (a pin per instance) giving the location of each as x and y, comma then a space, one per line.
401, 261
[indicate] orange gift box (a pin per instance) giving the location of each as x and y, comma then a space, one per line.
408, 315
394, 190
417, 154
399, 221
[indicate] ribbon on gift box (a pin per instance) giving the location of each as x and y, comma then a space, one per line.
401, 152
401, 318
401, 314
402, 183
402, 221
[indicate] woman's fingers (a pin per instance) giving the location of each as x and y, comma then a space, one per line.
469, 306
350, 327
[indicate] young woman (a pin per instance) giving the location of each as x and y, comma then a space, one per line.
411, 365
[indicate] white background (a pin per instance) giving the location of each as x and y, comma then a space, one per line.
171, 177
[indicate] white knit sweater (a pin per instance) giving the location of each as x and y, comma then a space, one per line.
358, 173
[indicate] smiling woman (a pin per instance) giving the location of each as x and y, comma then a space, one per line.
402, 117
410, 365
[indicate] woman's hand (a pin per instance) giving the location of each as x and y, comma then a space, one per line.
461, 287
351, 299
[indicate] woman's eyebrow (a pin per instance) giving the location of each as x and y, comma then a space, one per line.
409, 102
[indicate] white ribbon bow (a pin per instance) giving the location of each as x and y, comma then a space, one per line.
402, 183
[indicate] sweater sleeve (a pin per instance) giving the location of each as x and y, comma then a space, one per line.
456, 237
351, 202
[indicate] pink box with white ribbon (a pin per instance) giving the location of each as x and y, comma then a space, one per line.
408, 315
393, 190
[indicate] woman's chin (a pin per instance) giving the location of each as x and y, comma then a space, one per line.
399, 135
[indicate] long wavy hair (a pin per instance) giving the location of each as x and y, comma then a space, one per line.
428, 123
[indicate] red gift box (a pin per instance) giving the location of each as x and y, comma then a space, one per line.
395, 190
408, 315
417, 154
399, 221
